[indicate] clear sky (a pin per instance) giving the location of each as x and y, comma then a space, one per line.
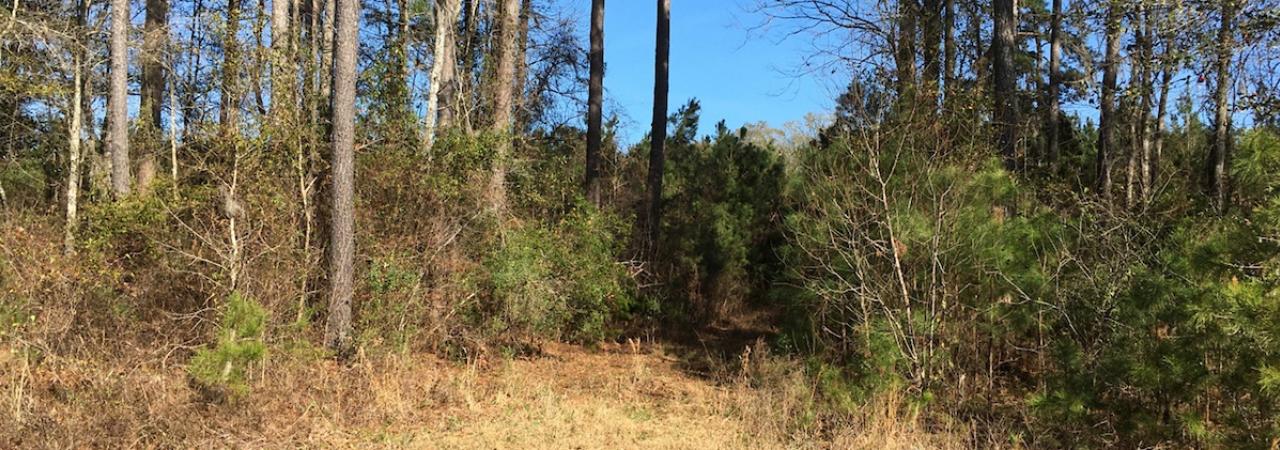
738, 75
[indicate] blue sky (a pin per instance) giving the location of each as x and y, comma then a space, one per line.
738, 75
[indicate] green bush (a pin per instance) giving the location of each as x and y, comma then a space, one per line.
560, 281
222, 366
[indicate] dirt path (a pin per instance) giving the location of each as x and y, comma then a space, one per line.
571, 397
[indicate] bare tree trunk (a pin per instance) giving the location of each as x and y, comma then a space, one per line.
443, 69
229, 111
155, 33
282, 69
1144, 103
1005, 40
118, 114
905, 54
461, 100
595, 98
342, 245
1220, 156
949, 51
73, 157
1166, 75
520, 120
1106, 119
658, 133
932, 36
504, 75
1055, 55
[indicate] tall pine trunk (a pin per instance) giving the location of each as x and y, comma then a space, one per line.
502, 91
282, 67
155, 34
1220, 154
658, 133
342, 232
1053, 106
229, 109
1107, 113
595, 98
1004, 42
117, 99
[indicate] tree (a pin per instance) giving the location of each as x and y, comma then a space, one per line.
342, 231
658, 133
229, 110
595, 97
502, 91
1004, 42
1106, 117
1055, 78
117, 99
443, 68
282, 71
1220, 153
155, 34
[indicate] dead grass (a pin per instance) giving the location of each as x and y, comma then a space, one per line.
570, 397
92, 366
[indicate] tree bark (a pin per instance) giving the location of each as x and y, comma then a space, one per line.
1220, 154
342, 233
1106, 119
1145, 102
503, 82
118, 114
443, 69
905, 52
155, 34
658, 132
931, 56
595, 99
520, 115
229, 108
948, 47
73, 157
282, 69
1005, 40
1055, 55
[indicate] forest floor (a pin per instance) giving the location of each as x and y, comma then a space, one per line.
638, 394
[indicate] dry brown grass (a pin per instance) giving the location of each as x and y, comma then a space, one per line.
97, 365
570, 397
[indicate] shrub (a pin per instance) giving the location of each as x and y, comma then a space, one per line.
560, 281
222, 366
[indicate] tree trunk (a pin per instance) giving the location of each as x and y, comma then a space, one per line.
503, 81
342, 239
520, 115
932, 36
1166, 75
1220, 155
443, 69
229, 109
595, 98
1004, 42
155, 34
118, 114
905, 52
1144, 103
1055, 55
461, 99
73, 157
949, 50
282, 68
658, 133
1106, 118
